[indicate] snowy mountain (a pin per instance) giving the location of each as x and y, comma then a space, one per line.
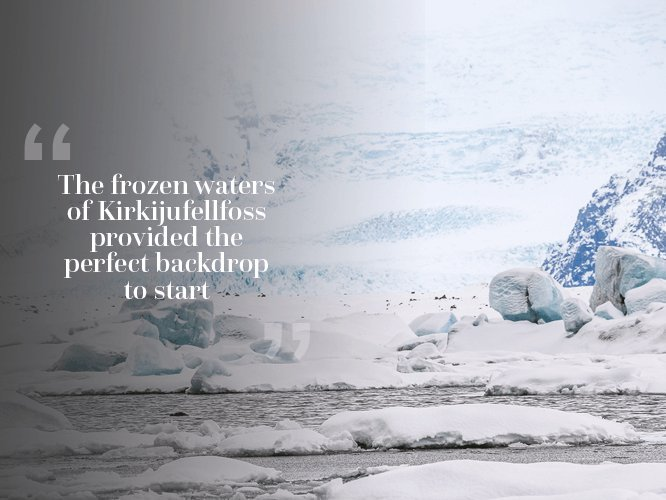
627, 211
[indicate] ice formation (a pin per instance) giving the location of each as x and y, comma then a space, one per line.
148, 356
181, 323
638, 299
619, 270
433, 323
474, 425
87, 358
17, 410
526, 294
575, 314
608, 311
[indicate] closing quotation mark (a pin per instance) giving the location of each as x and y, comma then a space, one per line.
282, 344
33, 150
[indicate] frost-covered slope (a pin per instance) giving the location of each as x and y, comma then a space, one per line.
627, 211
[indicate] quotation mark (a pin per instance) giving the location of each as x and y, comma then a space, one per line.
292, 344
33, 150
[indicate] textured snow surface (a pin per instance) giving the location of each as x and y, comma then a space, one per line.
474, 425
472, 480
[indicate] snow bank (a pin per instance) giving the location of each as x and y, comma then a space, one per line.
475, 480
618, 270
283, 442
193, 472
474, 425
583, 375
331, 374
17, 410
526, 294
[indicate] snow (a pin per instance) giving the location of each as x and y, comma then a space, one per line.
188, 473
526, 294
475, 480
17, 410
433, 323
283, 442
33, 442
608, 311
191, 472
86, 358
306, 375
149, 356
329, 350
474, 425
209, 368
619, 270
638, 299
583, 375
575, 314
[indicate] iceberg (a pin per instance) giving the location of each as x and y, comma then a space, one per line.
638, 299
618, 270
433, 323
526, 294
575, 314
87, 358
188, 322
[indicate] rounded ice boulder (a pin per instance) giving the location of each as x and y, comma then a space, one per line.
618, 270
526, 294
575, 314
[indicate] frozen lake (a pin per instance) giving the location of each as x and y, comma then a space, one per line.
302, 473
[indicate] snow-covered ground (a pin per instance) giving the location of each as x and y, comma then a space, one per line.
311, 343
469, 480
